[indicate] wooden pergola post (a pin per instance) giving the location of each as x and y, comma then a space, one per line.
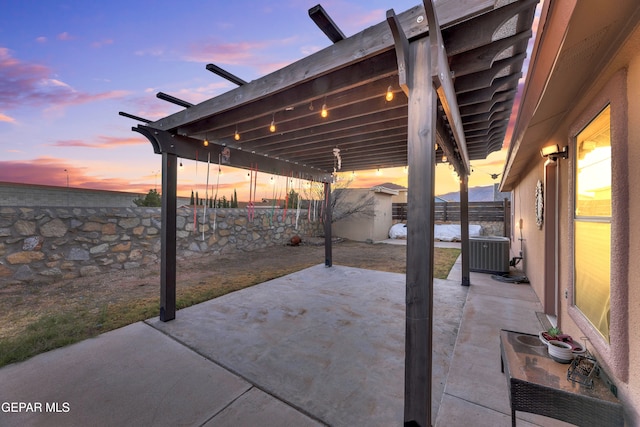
420, 251
168, 237
327, 218
464, 229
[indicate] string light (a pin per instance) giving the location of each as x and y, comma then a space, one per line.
389, 95
324, 113
236, 135
205, 142
272, 127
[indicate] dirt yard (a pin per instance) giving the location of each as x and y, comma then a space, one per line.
20, 305
197, 279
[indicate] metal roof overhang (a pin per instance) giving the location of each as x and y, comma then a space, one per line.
485, 47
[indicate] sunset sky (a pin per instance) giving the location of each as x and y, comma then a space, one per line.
68, 67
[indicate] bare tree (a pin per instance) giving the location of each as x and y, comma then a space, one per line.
343, 203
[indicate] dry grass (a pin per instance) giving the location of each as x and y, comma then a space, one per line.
38, 318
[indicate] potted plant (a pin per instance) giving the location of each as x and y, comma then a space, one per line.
554, 334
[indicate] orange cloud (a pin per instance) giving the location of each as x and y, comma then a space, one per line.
7, 119
53, 171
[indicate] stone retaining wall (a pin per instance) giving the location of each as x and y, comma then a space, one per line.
42, 245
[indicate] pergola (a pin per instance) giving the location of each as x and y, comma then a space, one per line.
453, 72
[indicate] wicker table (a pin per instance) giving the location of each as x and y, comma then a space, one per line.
539, 385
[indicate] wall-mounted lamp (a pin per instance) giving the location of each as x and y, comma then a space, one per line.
553, 152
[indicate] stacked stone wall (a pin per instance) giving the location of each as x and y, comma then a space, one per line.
42, 245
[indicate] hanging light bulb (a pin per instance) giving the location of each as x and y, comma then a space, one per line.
236, 135
378, 173
324, 113
272, 127
205, 142
389, 95
181, 167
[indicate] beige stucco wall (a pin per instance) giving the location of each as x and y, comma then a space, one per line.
622, 361
363, 228
633, 277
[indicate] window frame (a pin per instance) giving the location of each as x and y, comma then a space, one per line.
590, 219
615, 352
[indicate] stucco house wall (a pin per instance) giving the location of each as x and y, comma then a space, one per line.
617, 83
364, 228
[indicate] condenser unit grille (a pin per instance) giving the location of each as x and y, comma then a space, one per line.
489, 254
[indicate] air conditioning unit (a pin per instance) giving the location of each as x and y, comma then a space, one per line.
489, 254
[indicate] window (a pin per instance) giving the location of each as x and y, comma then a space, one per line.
592, 222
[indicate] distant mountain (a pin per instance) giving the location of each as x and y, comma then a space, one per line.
487, 193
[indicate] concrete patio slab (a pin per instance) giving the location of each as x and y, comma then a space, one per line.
133, 376
257, 408
324, 346
328, 341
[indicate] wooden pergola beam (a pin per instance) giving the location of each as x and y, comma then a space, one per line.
131, 116
193, 149
225, 74
173, 100
366, 44
322, 19
441, 75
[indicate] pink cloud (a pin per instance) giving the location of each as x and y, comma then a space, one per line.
28, 84
65, 36
101, 43
102, 141
226, 53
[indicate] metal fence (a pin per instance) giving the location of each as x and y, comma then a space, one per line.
450, 211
